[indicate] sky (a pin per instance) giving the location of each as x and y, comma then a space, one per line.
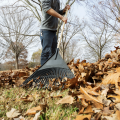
77, 10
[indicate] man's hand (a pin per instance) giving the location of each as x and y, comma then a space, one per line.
66, 7
64, 19
55, 14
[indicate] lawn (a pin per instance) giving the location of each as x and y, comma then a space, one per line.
25, 99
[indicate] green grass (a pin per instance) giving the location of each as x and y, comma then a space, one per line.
10, 98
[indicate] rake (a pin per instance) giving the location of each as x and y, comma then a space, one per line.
53, 68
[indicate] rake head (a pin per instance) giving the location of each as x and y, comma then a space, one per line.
45, 75
55, 68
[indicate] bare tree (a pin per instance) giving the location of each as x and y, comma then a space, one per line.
35, 6
15, 27
36, 56
70, 30
107, 12
73, 51
99, 39
11, 57
70, 38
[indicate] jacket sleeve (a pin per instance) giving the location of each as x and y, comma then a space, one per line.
61, 12
46, 5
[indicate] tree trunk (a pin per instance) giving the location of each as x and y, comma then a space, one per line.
16, 61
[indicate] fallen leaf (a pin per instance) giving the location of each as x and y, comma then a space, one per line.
36, 96
59, 96
106, 102
84, 103
92, 92
98, 88
117, 98
118, 106
80, 67
88, 109
82, 117
118, 114
83, 74
96, 110
36, 116
98, 105
2, 99
104, 92
33, 110
98, 116
81, 110
28, 98
21, 118
22, 73
117, 92
112, 78
13, 113
107, 111
67, 99
89, 96
112, 117
99, 74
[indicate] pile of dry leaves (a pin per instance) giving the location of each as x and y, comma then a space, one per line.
96, 86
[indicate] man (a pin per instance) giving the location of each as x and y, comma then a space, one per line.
50, 12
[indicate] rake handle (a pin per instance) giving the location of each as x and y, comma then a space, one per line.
62, 31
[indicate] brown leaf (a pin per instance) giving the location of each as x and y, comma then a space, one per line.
118, 114
15, 74
99, 74
67, 99
72, 82
88, 109
118, 106
112, 78
104, 92
92, 92
96, 88
81, 111
89, 96
58, 96
25, 77
112, 117
98, 116
22, 73
82, 117
84, 103
36, 116
21, 118
100, 66
36, 95
13, 113
117, 92
28, 98
106, 111
33, 110
83, 74
117, 98
96, 110
97, 105
106, 102
81, 68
